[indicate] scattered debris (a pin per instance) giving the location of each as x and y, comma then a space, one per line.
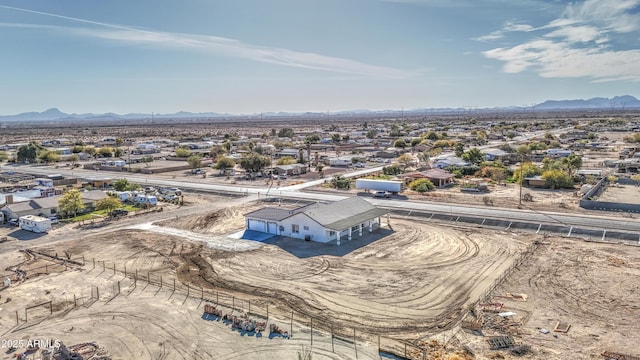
506, 313
517, 296
562, 327
491, 307
521, 350
500, 342
544, 331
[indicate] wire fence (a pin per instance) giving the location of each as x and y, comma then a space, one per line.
289, 323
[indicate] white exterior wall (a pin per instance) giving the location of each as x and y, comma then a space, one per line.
318, 232
36, 224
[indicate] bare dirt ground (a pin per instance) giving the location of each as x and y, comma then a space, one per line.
627, 194
412, 283
405, 284
593, 287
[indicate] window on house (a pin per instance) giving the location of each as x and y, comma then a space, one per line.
332, 233
295, 228
306, 228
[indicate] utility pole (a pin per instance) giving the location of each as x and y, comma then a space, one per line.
521, 180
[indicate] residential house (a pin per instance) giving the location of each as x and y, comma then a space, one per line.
439, 177
319, 222
442, 162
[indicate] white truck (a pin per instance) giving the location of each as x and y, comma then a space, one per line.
391, 186
36, 224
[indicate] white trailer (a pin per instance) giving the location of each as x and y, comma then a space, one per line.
380, 185
36, 224
145, 199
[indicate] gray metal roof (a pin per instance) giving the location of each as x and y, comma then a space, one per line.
273, 214
345, 213
337, 216
277, 214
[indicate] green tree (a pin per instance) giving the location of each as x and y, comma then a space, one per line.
285, 132
3, 156
371, 134
105, 151
391, 170
217, 151
90, 150
227, 145
635, 138
285, 160
225, 163
124, 185
526, 170
557, 179
571, 163
473, 156
312, 139
71, 202
254, 162
194, 161
421, 185
335, 138
340, 182
183, 152
109, 203
431, 135
459, 149
47, 156
29, 152
400, 143
118, 152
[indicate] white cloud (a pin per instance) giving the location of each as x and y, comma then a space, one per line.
576, 33
218, 45
577, 44
560, 60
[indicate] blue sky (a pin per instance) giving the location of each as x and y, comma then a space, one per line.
252, 56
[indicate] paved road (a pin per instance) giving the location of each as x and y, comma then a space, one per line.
615, 222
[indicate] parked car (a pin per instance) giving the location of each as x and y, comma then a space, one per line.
169, 197
381, 194
119, 212
13, 222
282, 177
359, 165
53, 219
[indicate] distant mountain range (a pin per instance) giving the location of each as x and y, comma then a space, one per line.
598, 103
615, 103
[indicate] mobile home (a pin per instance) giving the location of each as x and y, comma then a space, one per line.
35, 224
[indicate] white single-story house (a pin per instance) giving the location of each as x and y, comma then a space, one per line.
318, 222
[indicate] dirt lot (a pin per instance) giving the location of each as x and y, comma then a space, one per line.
593, 287
408, 282
627, 194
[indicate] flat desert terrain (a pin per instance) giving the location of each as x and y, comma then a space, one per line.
137, 289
